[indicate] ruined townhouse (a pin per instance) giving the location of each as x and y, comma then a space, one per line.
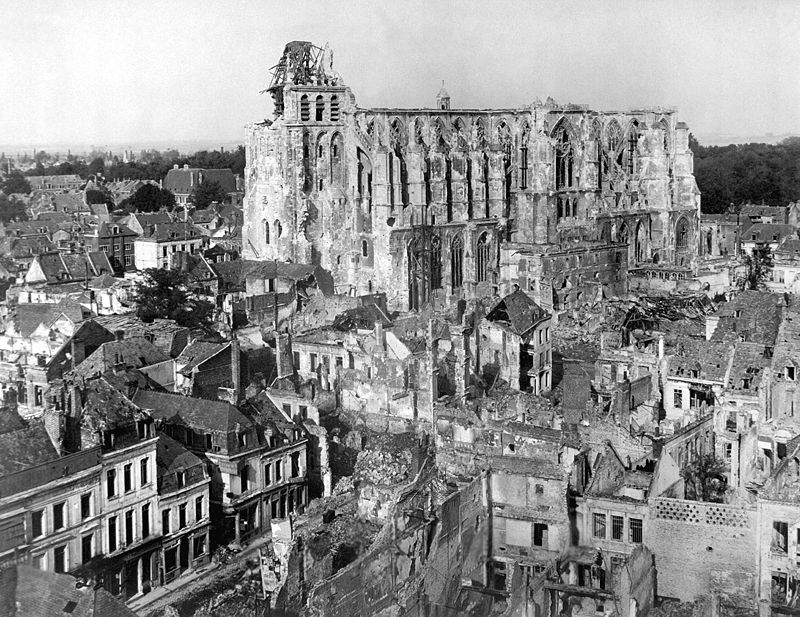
442, 204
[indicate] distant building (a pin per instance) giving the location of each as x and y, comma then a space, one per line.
63, 182
115, 239
182, 181
156, 247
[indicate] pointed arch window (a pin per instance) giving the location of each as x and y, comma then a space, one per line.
436, 263
364, 249
480, 134
482, 256
266, 232
633, 139
305, 109
457, 262
320, 108
278, 228
682, 234
565, 159
523, 157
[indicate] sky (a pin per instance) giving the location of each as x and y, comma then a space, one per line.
99, 72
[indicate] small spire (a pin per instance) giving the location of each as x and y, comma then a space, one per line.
443, 98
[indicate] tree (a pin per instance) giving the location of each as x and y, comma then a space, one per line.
164, 294
206, 193
98, 196
15, 182
96, 167
756, 269
149, 198
705, 479
12, 210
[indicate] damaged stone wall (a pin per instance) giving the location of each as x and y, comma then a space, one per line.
704, 548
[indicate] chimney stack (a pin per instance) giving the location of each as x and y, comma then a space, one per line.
119, 335
380, 335
284, 359
461, 369
236, 369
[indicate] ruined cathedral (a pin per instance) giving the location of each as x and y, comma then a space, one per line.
436, 205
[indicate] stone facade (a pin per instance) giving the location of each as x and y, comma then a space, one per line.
429, 205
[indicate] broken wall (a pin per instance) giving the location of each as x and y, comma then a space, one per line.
698, 545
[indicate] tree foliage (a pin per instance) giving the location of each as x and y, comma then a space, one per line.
149, 165
164, 294
99, 196
15, 182
757, 268
11, 209
705, 479
204, 194
149, 198
747, 173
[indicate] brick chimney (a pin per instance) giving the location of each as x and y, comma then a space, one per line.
380, 335
460, 346
283, 355
236, 368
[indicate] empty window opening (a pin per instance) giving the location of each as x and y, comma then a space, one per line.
334, 109
320, 108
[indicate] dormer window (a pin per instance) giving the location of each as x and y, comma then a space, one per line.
180, 476
790, 373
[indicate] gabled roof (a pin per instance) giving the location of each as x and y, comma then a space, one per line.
131, 352
196, 353
172, 457
26, 591
25, 448
166, 334
164, 232
704, 360
20, 248
767, 232
31, 316
104, 405
151, 218
215, 416
518, 311
64, 267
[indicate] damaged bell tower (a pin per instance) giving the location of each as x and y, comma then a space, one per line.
302, 63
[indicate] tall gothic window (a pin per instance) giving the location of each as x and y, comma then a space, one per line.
266, 232
436, 263
278, 228
682, 234
482, 256
523, 157
633, 139
457, 262
564, 158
